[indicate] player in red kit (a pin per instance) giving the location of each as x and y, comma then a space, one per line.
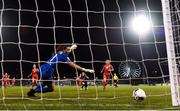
5, 80
107, 69
34, 73
8, 81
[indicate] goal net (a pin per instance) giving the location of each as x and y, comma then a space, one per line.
140, 37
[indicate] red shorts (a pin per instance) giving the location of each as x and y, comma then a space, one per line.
107, 76
35, 77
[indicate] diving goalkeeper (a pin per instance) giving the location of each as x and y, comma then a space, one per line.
47, 69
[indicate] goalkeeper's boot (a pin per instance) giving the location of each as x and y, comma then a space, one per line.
31, 93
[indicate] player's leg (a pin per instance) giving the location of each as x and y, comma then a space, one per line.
50, 86
82, 84
46, 77
9, 83
33, 82
36, 80
43, 89
108, 78
6, 83
104, 82
13, 83
115, 83
40, 87
46, 72
43, 73
47, 81
85, 84
37, 89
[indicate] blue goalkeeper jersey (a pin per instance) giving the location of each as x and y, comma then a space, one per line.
47, 69
58, 57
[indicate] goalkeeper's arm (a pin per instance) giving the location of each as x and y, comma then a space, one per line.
72, 64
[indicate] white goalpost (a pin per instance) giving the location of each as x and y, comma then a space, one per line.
172, 65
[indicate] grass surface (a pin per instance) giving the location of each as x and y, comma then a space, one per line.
68, 98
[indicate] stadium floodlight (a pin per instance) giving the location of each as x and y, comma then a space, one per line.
141, 24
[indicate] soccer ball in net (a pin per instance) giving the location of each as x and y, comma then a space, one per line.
139, 94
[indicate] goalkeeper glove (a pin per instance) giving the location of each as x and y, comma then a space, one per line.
74, 46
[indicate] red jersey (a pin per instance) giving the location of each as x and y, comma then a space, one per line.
8, 78
5, 77
107, 69
35, 72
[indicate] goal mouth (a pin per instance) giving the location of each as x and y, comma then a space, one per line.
69, 41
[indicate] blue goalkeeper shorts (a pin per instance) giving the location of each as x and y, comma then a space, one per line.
46, 72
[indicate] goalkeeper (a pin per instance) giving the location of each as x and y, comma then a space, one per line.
47, 69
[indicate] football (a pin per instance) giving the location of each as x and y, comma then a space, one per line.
139, 94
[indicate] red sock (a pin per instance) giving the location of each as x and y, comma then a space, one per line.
104, 85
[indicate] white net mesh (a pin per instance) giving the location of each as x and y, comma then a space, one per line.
31, 31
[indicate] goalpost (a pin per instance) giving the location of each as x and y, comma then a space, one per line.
102, 29
171, 54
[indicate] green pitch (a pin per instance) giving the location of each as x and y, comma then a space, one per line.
68, 97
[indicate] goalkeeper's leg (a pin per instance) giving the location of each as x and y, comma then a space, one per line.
37, 89
43, 89
46, 72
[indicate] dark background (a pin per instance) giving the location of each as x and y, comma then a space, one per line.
98, 26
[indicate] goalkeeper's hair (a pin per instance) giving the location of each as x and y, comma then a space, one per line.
62, 47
